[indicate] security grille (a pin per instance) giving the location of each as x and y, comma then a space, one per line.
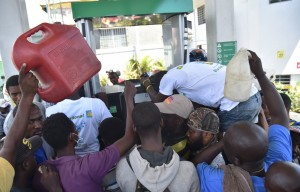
112, 38
283, 79
201, 15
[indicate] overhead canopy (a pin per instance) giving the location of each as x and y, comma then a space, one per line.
109, 8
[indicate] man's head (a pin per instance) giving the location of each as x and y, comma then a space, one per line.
283, 177
13, 88
113, 77
203, 127
245, 143
287, 102
146, 119
175, 110
34, 126
110, 130
25, 161
59, 131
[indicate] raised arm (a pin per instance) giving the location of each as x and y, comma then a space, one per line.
155, 96
208, 154
271, 95
28, 85
126, 142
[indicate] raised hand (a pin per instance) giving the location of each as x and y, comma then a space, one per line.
255, 65
130, 90
28, 83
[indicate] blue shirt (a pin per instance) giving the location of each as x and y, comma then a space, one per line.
280, 149
40, 155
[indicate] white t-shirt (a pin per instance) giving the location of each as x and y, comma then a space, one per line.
201, 82
86, 114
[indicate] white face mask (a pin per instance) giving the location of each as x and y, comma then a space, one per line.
79, 140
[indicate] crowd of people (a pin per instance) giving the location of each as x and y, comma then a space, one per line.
196, 140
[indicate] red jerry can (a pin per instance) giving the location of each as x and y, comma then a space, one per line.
61, 60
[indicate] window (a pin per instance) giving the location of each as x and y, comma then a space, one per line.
283, 79
201, 15
111, 38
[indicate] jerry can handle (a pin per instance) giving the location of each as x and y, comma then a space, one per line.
42, 27
43, 92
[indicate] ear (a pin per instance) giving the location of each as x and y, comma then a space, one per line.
207, 135
134, 128
161, 124
236, 161
25, 164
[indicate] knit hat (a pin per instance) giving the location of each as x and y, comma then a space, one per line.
176, 104
28, 147
204, 119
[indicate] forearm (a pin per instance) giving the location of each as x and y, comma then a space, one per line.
153, 94
208, 154
273, 101
128, 140
18, 129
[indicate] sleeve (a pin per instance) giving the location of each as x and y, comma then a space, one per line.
174, 79
211, 178
280, 145
7, 173
101, 162
100, 110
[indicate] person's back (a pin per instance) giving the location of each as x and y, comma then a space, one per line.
203, 83
152, 166
111, 130
86, 114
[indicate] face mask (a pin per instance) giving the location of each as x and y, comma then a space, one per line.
79, 142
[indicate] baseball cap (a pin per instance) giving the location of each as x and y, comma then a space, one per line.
176, 104
28, 147
204, 119
238, 81
4, 103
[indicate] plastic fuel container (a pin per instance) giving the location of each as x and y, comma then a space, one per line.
61, 60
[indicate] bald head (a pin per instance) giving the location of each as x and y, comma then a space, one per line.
245, 142
283, 177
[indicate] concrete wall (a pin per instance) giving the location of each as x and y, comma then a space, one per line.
142, 41
269, 28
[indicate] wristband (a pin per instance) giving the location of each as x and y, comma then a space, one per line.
148, 87
145, 81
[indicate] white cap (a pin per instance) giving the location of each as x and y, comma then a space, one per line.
239, 77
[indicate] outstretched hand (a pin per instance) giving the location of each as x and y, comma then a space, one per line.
130, 90
28, 83
255, 65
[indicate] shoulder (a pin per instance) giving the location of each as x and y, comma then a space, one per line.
5, 165
277, 130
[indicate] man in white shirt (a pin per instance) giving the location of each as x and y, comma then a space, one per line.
203, 83
86, 114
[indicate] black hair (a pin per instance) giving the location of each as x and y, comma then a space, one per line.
111, 129
146, 118
12, 81
286, 100
56, 129
16, 109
